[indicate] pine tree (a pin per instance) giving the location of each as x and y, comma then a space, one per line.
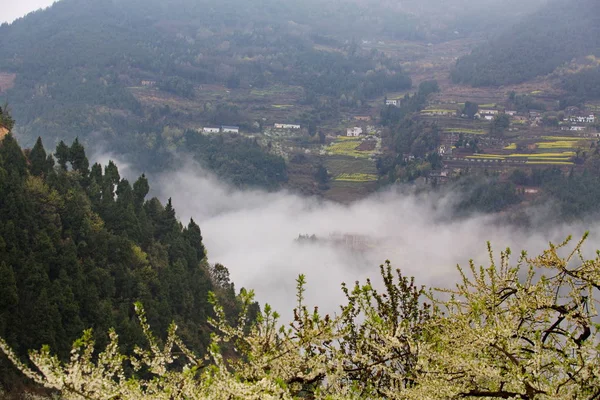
194, 238
13, 157
140, 191
38, 159
62, 154
78, 158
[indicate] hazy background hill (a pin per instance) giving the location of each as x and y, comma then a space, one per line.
538, 44
75, 68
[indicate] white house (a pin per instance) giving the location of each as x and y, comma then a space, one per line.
230, 129
286, 126
511, 113
488, 112
391, 102
590, 119
356, 131
578, 128
489, 117
208, 129
148, 83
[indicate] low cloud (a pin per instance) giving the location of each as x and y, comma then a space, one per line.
253, 233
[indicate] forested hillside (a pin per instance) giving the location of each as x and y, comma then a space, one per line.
131, 76
538, 44
79, 245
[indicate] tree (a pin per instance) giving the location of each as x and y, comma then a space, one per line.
78, 158
322, 177
470, 109
524, 331
38, 159
62, 154
500, 123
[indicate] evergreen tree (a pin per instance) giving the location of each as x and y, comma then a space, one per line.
38, 159
78, 158
14, 159
62, 154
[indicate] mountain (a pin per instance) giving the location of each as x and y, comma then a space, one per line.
80, 245
140, 78
557, 33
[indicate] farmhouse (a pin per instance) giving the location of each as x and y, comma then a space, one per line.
286, 126
230, 129
511, 113
391, 102
208, 129
356, 131
444, 150
148, 83
489, 117
578, 128
488, 112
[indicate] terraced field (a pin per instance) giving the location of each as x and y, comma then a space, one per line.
349, 147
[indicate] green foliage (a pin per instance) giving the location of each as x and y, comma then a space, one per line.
83, 80
484, 195
178, 86
524, 330
78, 247
244, 163
500, 123
557, 33
583, 85
5, 119
470, 109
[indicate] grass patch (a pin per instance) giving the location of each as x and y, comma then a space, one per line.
486, 157
543, 155
438, 110
337, 165
561, 138
561, 144
512, 146
466, 131
549, 163
356, 177
346, 146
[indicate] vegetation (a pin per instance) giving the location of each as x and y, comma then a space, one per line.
84, 89
79, 244
524, 330
5, 119
554, 35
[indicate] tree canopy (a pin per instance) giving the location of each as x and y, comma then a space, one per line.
79, 245
522, 331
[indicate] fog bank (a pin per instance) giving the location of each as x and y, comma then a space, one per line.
253, 234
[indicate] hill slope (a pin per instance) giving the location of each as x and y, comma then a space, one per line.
538, 44
78, 247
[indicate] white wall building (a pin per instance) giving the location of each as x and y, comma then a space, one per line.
286, 126
488, 112
356, 131
208, 129
391, 102
230, 129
